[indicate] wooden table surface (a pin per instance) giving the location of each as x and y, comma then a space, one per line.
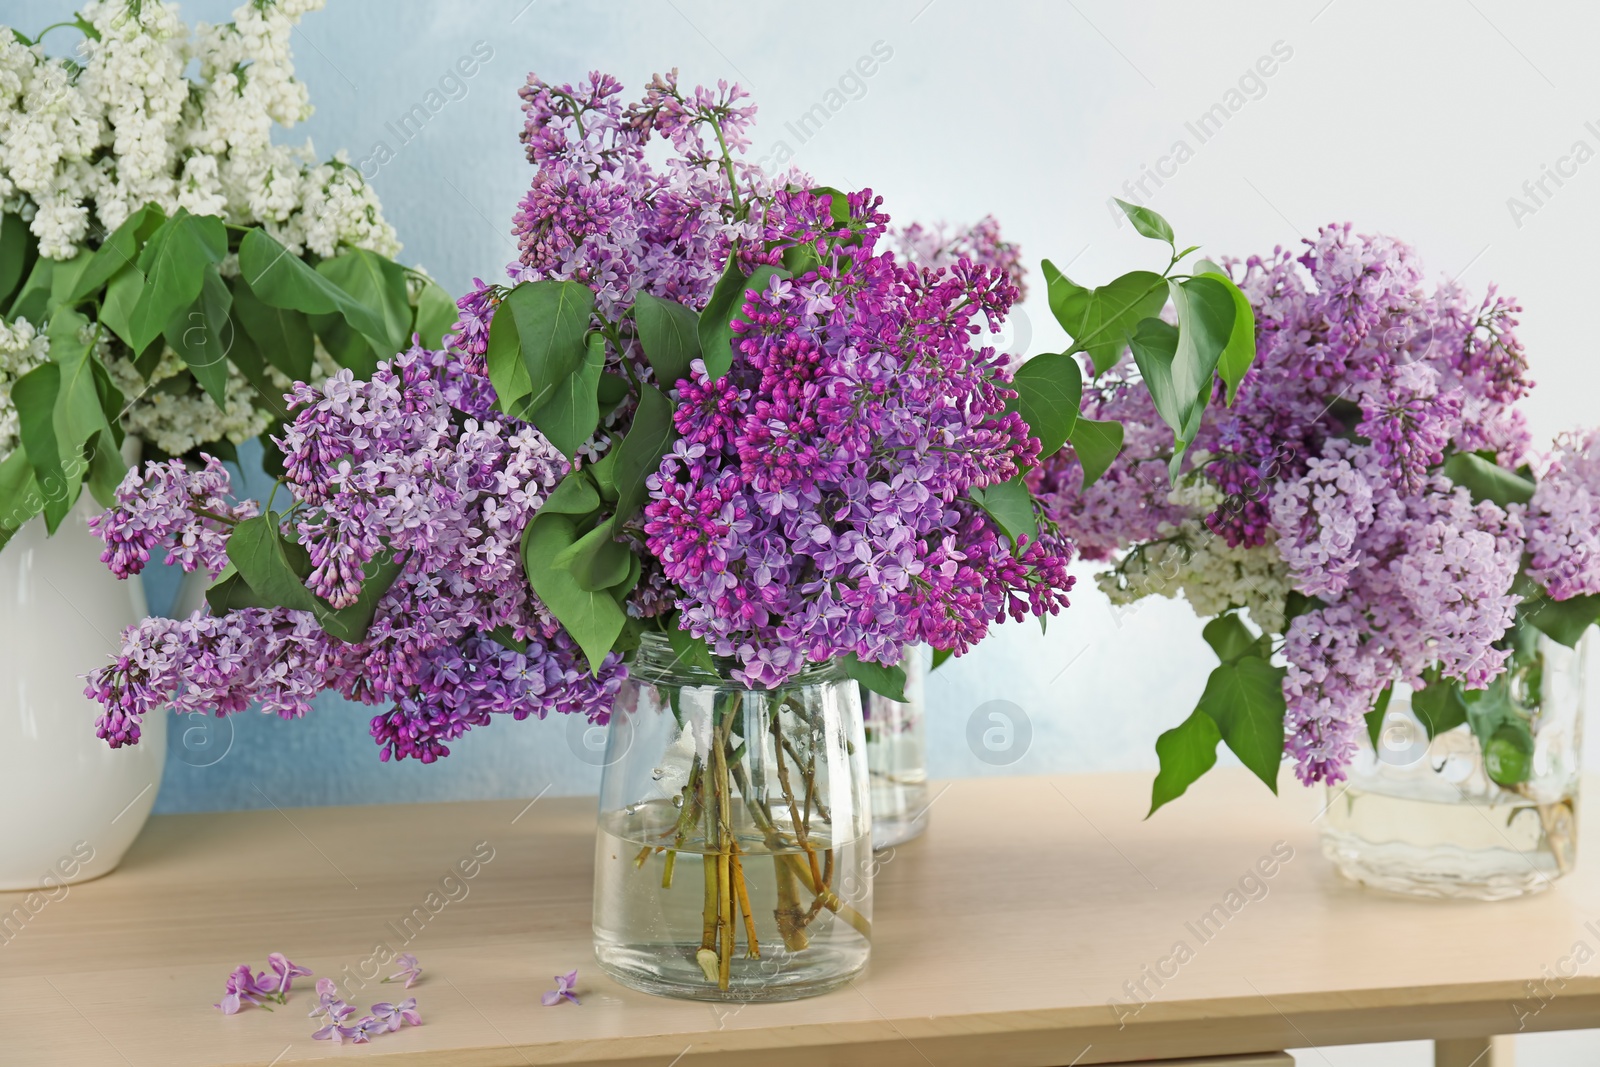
1003, 938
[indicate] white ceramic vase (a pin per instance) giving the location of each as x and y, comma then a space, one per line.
69, 804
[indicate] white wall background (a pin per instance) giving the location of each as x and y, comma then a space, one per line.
1419, 120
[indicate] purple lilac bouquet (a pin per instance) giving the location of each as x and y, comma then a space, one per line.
1367, 499
708, 404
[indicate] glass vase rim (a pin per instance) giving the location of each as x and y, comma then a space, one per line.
655, 658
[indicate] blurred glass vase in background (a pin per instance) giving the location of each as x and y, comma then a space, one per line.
897, 757
1460, 817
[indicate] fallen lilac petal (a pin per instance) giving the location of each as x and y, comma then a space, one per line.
286, 971
565, 983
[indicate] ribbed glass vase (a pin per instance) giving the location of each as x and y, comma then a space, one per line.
734, 853
1455, 818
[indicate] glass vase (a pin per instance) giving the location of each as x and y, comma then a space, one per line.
1442, 819
897, 758
733, 860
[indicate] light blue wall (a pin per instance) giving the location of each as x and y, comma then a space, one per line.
1037, 116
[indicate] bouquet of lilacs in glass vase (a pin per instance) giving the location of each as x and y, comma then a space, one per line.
709, 460
166, 271
1384, 560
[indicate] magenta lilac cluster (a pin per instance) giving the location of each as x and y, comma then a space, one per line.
1366, 378
408, 465
818, 501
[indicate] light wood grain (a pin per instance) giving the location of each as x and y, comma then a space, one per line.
1002, 938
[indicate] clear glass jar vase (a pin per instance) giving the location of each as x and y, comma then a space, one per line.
733, 860
897, 757
1442, 818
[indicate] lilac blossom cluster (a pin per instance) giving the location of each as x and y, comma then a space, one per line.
605, 210
1328, 466
1564, 519
407, 467
818, 502
168, 505
941, 245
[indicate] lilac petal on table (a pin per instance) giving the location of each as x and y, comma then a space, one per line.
286, 971
565, 983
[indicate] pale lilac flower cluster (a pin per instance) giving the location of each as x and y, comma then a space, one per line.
1364, 381
167, 505
941, 245
1564, 519
600, 211
818, 502
405, 469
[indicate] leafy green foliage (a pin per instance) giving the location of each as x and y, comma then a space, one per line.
20, 499
1049, 391
203, 333
282, 336
173, 264
592, 617
1438, 705
18, 249
1147, 222
1240, 351
726, 304
691, 651
650, 438
573, 412
1229, 637
1186, 751
1205, 310
350, 624
1100, 321
1374, 718
597, 560
552, 320
435, 314
573, 495
273, 567
887, 682
1486, 480
1011, 506
1244, 697
940, 657
120, 250
1097, 443
1563, 621
670, 334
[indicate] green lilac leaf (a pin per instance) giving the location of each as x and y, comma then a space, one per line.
1049, 391
639, 455
1097, 443
1147, 222
670, 334
887, 682
1186, 751
592, 618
